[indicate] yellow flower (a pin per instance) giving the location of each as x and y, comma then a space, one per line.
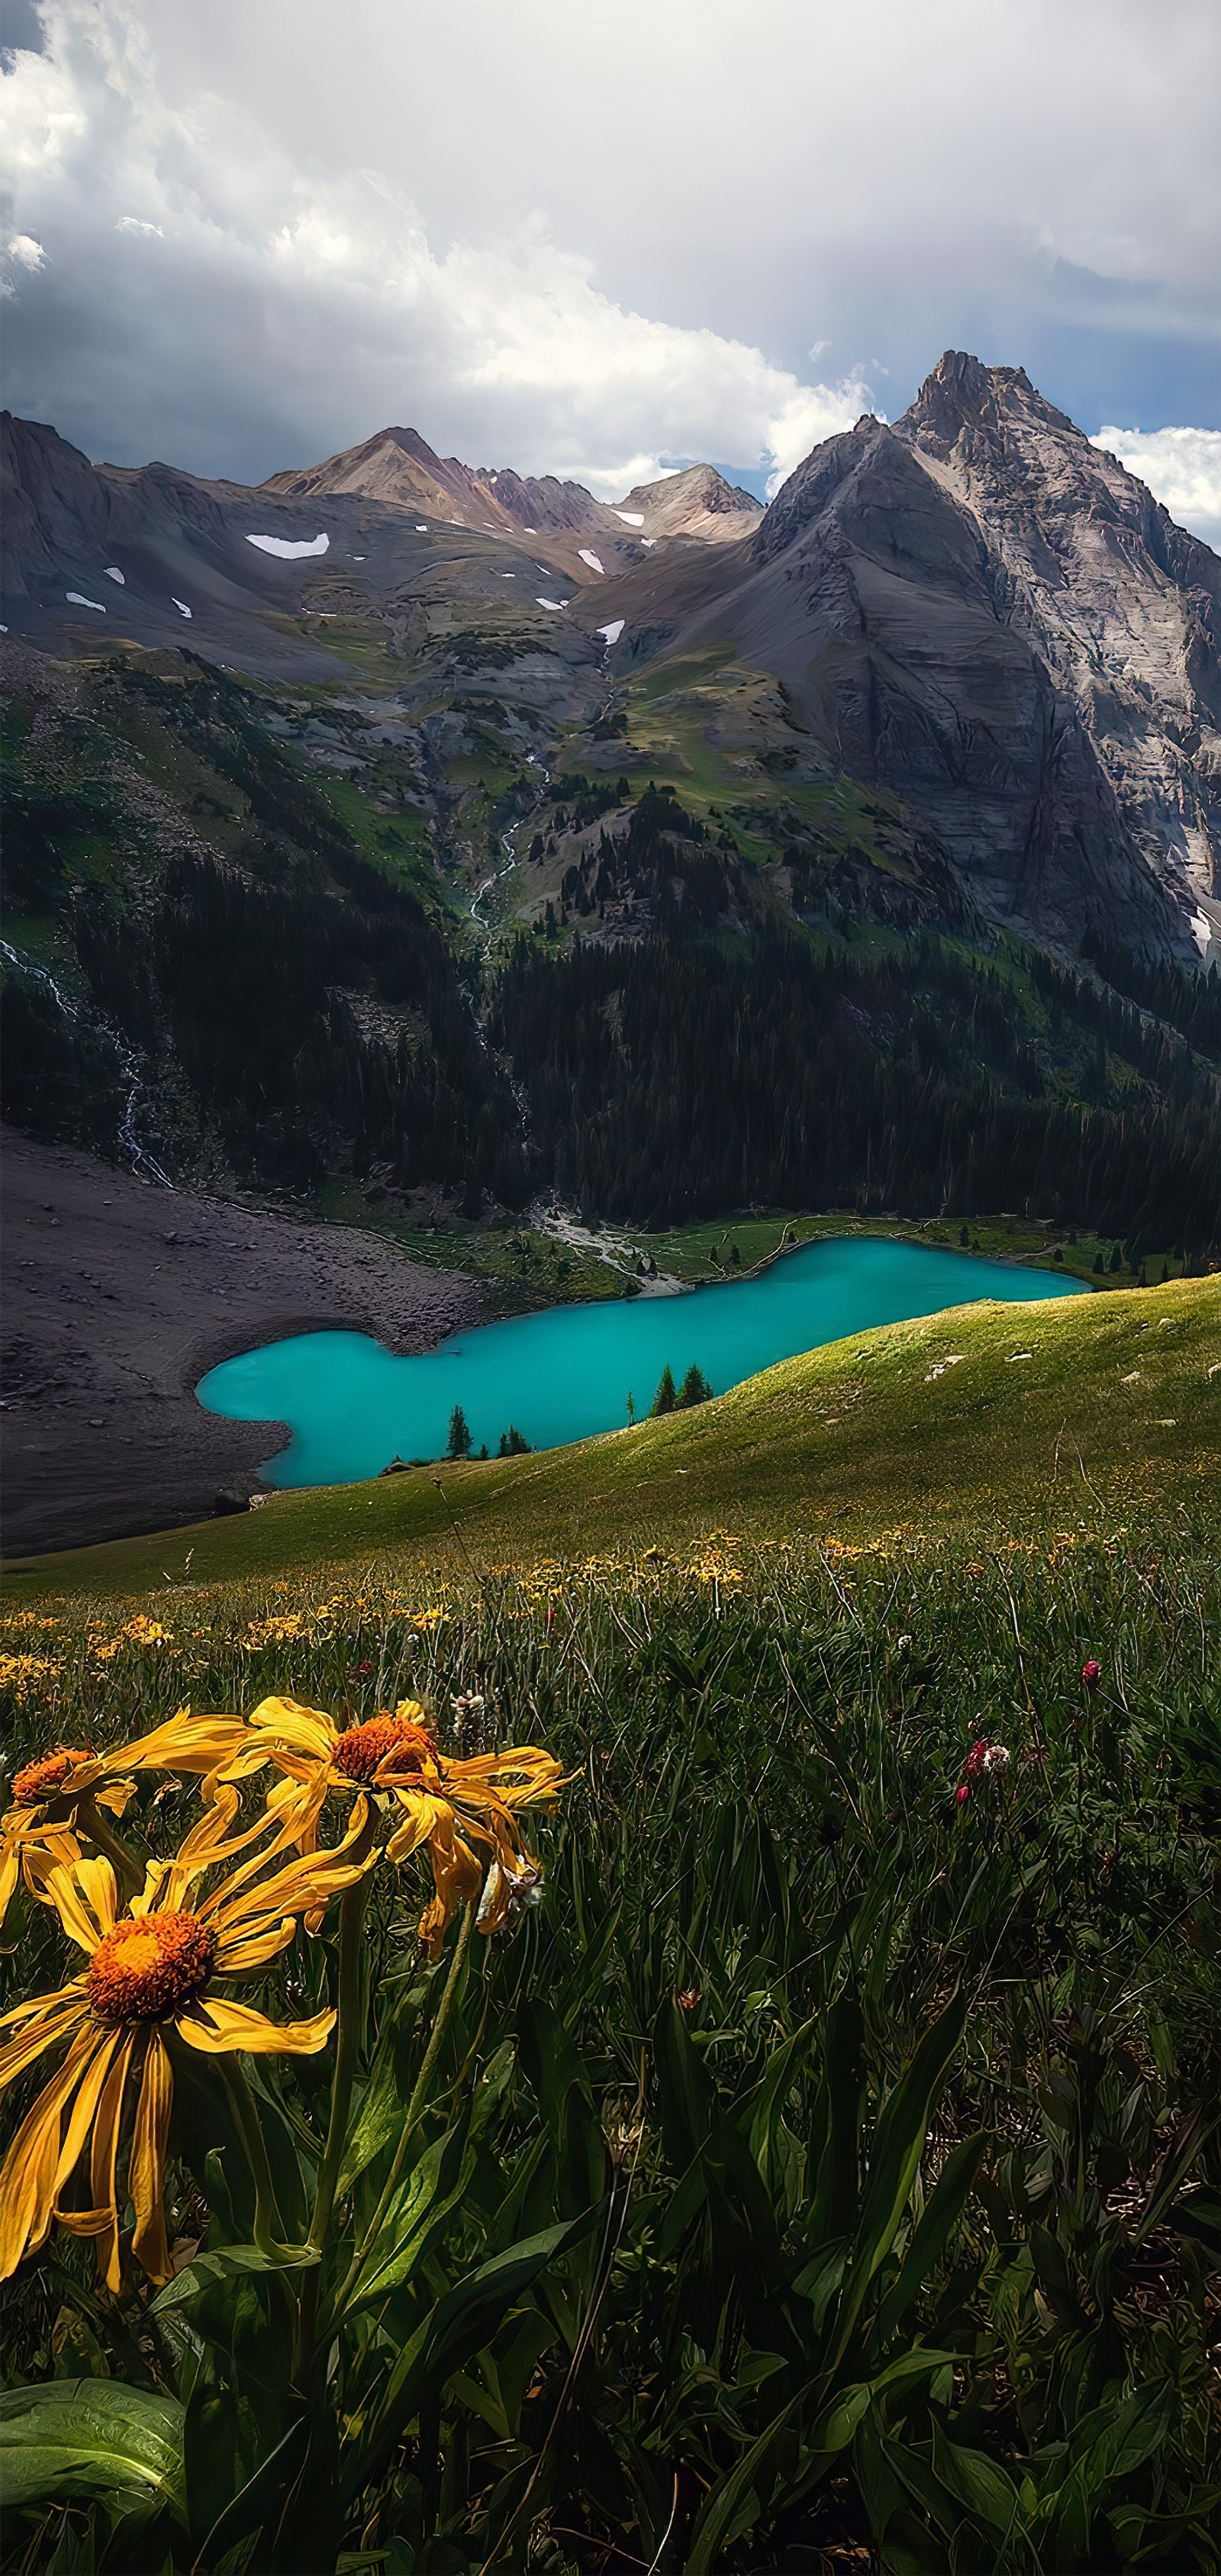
48, 1793
393, 1760
150, 1971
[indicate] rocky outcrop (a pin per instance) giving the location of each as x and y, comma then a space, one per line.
1122, 607
1000, 625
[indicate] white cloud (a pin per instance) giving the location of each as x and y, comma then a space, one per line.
331, 264
27, 252
1182, 468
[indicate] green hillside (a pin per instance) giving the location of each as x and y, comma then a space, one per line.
991, 1418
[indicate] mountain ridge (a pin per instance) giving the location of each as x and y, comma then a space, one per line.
971, 609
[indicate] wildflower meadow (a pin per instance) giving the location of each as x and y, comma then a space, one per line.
702, 2059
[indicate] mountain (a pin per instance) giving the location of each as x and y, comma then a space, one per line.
397, 466
696, 503
405, 824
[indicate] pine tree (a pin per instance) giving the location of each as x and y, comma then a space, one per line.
631, 1407
1116, 1260
965, 1238
1098, 1261
512, 1444
666, 1397
459, 1442
695, 1388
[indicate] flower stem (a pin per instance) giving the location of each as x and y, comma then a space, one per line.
414, 2113
268, 2224
347, 2049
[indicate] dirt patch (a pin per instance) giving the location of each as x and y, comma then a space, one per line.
118, 1294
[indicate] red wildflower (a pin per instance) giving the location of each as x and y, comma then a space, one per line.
1091, 1674
961, 1795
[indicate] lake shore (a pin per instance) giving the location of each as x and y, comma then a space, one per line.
119, 1294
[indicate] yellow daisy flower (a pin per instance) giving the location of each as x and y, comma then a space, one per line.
151, 1970
393, 1761
49, 1792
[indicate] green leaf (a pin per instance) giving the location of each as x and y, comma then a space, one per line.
224, 2264
92, 2438
977, 2483
725, 2512
941, 2215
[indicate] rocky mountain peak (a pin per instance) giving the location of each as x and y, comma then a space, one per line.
962, 397
698, 502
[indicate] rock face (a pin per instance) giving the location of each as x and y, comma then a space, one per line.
1003, 627
1122, 607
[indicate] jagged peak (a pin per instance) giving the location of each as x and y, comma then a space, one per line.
962, 392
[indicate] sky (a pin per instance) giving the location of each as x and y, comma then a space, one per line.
602, 241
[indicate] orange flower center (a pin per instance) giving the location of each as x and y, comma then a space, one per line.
363, 1749
40, 1780
149, 1965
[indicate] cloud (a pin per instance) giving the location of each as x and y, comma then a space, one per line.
1182, 468
295, 314
27, 252
526, 250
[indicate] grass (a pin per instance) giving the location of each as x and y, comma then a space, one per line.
776, 1960
1006, 1422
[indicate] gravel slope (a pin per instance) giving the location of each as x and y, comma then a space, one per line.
118, 1294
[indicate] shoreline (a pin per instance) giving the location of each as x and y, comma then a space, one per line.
120, 1294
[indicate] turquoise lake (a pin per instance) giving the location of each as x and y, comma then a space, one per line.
564, 1374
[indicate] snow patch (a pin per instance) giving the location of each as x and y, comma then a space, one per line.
421, 527
591, 559
631, 518
648, 541
77, 599
553, 603
1201, 930
181, 606
291, 547
613, 631
113, 574
529, 532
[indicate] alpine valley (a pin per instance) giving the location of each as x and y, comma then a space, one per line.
445, 838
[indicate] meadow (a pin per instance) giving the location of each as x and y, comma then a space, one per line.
818, 2166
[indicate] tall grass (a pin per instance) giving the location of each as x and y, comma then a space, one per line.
884, 2119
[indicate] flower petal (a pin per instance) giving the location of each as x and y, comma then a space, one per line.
27, 2181
44, 2026
85, 1896
215, 2027
146, 2165
423, 1816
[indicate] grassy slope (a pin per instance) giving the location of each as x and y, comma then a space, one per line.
1113, 1410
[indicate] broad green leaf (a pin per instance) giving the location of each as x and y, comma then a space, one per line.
223, 2265
978, 2484
91, 2438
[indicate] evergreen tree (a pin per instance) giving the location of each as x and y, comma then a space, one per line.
459, 1443
695, 1388
965, 1238
1098, 1261
512, 1444
735, 1256
666, 1397
631, 1407
1116, 1260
